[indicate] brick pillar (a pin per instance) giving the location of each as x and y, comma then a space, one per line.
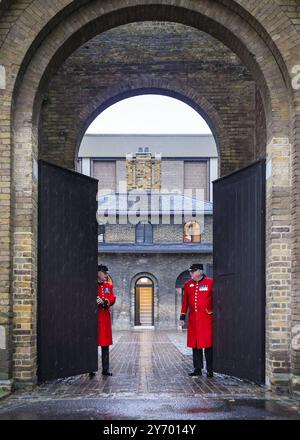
278, 263
156, 173
24, 276
5, 234
295, 337
143, 171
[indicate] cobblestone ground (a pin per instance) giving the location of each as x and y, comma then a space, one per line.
147, 365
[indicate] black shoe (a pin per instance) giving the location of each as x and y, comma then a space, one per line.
210, 374
106, 373
92, 374
195, 373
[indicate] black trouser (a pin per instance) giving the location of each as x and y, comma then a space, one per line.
105, 357
198, 358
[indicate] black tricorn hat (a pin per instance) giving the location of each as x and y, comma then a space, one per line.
102, 268
196, 266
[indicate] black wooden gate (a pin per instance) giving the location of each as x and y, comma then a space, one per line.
67, 273
239, 273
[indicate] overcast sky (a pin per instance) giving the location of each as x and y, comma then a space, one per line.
149, 114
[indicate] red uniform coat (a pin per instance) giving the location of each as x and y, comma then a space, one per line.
197, 297
105, 291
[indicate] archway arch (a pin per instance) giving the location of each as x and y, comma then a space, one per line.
212, 21
42, 69
181, 92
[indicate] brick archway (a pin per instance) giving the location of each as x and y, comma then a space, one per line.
223, 20
30, 65
183, 93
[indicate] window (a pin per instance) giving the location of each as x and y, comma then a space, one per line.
195, 177
191, 232
101, 233
105, 172
143, 150
144, 233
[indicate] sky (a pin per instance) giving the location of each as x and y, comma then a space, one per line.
149, 114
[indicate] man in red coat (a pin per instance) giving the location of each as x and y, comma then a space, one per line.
105, 299
197, 298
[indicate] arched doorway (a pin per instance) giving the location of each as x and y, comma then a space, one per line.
144, 302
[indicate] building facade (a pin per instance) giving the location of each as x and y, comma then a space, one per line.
160, 224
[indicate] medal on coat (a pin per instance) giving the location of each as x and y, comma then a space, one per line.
106, 290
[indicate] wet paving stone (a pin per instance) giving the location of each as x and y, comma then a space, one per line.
150, 373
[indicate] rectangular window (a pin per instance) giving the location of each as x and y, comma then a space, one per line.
144, 233
148, 233
195, 176
139, 233
105, 172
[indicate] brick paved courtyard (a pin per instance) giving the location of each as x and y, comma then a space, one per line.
146, 365
150, 362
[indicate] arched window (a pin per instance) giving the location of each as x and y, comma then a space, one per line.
144, 233
191, 232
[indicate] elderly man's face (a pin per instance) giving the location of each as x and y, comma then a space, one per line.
102, 276
196, 274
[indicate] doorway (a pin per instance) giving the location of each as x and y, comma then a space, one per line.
144, 303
